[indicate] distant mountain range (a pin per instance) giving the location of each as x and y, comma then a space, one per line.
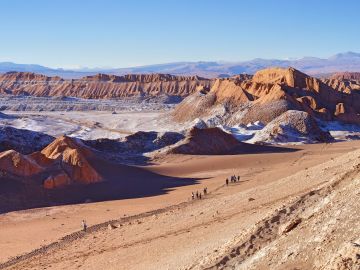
349, 61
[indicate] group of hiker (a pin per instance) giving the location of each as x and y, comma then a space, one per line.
233, 179
198, 195
194, 195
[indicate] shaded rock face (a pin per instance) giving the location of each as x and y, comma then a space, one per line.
101, 86
292, 126
57, 181
210, 141
215, 141
273, 90
137, 143
22, 140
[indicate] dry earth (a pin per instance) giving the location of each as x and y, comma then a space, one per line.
172, 232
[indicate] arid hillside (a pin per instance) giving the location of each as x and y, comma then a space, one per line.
268, 94
101, 85
69, 171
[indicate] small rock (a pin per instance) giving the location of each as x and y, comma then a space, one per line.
290, 225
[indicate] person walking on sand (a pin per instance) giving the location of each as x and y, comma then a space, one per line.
84, 226
238, 178
192, 195
200, 196
205, 190
227, 181
197, 194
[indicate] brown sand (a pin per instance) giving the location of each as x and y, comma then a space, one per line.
176, 238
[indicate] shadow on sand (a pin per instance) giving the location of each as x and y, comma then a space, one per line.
121, 182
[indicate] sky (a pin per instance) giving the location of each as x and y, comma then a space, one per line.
124, 33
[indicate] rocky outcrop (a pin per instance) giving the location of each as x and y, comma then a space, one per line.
345, 82
74, 158
346, 76
101, 86
17, 164
343, 86
136, 144
291, 127
65, 161
267, 95
214, 141
57, 181
209, 141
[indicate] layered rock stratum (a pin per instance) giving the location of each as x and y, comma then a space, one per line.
101, 86
346, 76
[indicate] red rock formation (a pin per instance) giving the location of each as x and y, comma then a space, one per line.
346, 76
296, 89
100, 85
74, 158
65, 161
59, 180
17, 164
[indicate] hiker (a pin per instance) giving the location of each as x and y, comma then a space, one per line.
200, 196
84, 226
205, 190
238, 178
197, 194
227, 181
192, 195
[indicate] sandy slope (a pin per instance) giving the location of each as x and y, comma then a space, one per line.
190, 235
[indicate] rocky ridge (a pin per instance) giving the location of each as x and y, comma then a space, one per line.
100, 86
267, 95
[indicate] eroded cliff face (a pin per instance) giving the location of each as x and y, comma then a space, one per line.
346, 76
268, 94
344, 81
101, 86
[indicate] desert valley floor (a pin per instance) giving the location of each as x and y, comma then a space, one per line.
125, 154
171, 231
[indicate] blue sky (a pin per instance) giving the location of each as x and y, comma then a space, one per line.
122, 33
